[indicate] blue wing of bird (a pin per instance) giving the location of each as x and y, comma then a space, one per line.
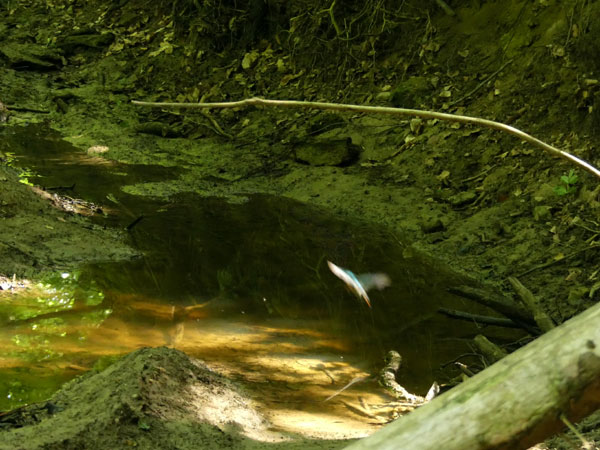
360, 284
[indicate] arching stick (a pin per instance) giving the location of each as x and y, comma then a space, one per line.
256, 101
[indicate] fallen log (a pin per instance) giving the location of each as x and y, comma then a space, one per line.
515, 403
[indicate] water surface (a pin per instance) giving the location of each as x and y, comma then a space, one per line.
244, 287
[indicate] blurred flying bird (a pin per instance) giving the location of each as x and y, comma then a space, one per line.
360, 284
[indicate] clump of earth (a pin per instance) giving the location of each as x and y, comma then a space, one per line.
481, 201
151, 398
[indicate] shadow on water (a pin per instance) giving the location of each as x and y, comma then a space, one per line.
243, 286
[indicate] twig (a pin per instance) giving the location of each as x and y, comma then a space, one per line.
464, 369
542, 319
442, 4
217, 127
498, 302
483, 83
137, 220
477, 318
332, 17
459, 357
354, 381
490, 350
361, 411
585, 444
555, 261
254, 101
480, 174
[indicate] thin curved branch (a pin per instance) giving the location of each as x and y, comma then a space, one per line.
256, 101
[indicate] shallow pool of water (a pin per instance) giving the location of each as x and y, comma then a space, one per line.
244, 287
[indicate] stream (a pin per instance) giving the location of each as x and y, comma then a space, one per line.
244, 287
